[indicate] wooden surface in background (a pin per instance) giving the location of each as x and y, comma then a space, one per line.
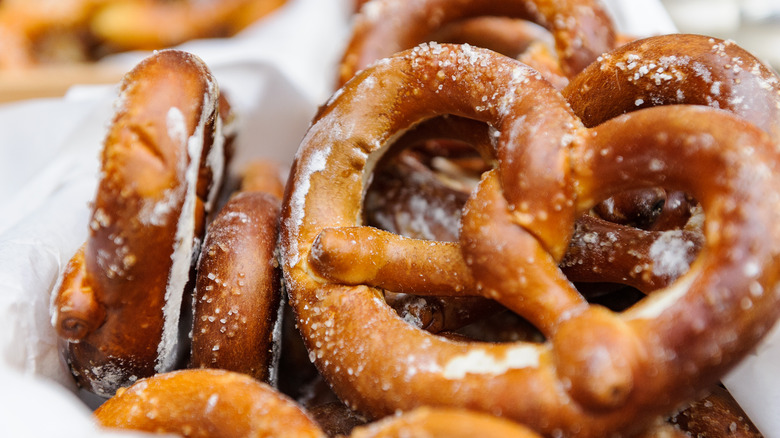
52, 81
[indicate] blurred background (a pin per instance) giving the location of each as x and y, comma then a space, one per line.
753, 24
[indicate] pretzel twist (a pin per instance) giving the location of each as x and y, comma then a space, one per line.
119, 304
559, 386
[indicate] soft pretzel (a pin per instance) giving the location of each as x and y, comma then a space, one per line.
409, 195
677, 69
582, 30
206, 402
659, 353
716, 414
119, 303
238, 291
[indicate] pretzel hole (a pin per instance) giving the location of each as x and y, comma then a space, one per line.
419, 189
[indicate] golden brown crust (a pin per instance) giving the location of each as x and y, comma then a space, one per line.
554, 387
200, 403
238, 290
677, 69
145, 25
582, 30
147, 215
454, 423
263, 176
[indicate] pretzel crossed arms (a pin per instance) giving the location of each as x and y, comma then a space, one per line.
599, 371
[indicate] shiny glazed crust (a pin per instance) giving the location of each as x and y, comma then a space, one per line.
582, 29
206, 403
657, 354
162, 159
454, 423
238, 290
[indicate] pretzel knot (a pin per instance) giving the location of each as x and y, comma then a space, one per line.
599, 372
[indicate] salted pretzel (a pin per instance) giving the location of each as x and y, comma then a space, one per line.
238, 289
432, 422
150, 24
678, 69
206, 402
220, 403
716, 414
413, 196
599, 372
118, 305
582, 29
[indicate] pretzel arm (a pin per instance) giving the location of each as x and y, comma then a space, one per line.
600, 251
367, 255
526, 265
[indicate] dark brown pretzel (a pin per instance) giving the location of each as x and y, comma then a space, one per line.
119, 304
408, 196
655, 355
716, 414
582, 30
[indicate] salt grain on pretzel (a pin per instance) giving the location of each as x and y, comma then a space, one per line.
678, 69
213, 403
238, 292
599, 372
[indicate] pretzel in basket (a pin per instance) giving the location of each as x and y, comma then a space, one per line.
219, 403
118, 305
581, 29
237, 296
598, 372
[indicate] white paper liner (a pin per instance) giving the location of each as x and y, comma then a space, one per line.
276, 74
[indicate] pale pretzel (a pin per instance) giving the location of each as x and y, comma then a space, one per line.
558, 387
582, 29
205, 402
119, 303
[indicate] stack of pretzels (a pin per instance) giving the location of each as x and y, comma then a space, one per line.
575, 238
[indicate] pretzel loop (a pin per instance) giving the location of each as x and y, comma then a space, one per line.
599, 372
